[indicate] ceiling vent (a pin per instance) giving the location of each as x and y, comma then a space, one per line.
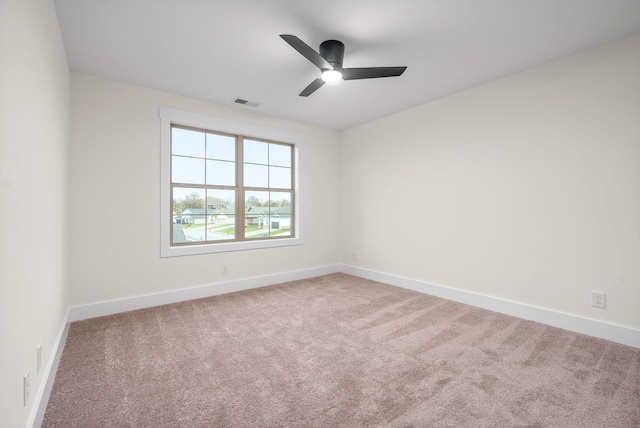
246, 102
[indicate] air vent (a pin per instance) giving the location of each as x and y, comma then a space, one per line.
246, 102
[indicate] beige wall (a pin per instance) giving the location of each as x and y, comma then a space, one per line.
115, 197
525, 189
34, 117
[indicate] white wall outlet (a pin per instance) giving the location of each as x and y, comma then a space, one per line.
598, 299
26, 386
354, 257
225, 268
38, 357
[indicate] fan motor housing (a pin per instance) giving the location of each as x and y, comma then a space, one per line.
333, 52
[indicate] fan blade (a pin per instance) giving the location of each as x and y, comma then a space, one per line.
306, 51
313, 86
371, 72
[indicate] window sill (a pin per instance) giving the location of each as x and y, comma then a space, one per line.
188, 250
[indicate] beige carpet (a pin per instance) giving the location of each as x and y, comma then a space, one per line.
337, 351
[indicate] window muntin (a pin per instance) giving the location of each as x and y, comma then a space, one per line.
207, 183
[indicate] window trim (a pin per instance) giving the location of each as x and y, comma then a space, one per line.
169, 116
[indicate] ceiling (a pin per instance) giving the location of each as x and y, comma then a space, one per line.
218, 50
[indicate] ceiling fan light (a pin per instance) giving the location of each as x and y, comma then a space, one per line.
331, 76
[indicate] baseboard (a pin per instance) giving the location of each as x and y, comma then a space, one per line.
78, 313
36, 415
614, 333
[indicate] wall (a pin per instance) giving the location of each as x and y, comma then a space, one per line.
525, 189
34, 130
115, 197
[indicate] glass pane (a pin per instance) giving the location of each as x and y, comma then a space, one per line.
221, 173
280, 200
256, 215
221, 147
221, 214
255, 199
187, 170
188, 214
279, 177
279, 155
280, 214
177, 235
256, 152
256, 175
187, 143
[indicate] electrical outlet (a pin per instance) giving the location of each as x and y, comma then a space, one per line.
225, 268
354, 257
26, 386
38, 357
598, 299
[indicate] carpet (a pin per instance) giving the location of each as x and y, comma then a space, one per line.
337, 351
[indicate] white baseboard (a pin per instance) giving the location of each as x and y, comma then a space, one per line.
36, 415
94, 310
614, 333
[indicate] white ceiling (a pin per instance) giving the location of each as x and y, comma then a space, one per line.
219, 50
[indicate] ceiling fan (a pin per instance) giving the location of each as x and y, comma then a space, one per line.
329, 61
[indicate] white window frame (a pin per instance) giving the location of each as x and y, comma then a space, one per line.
169, 116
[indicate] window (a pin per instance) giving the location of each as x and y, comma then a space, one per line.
226, 185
